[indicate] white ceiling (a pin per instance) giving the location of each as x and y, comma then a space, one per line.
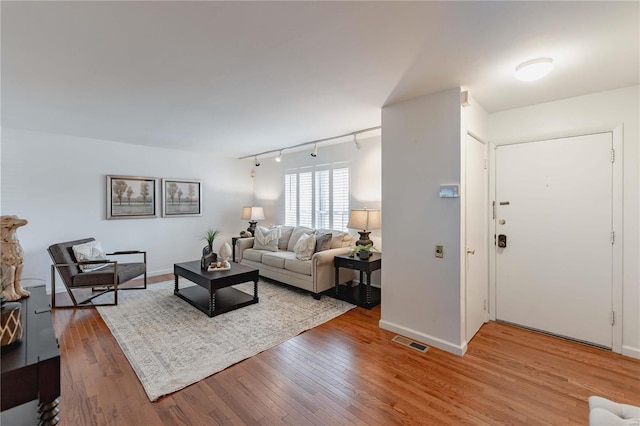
239, 78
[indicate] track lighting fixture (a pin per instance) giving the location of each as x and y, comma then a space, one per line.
315, 143
253, 173
356, 141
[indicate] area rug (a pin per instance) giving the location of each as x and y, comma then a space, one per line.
170, 344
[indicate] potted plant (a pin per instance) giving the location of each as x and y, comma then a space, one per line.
363, 252
209, 237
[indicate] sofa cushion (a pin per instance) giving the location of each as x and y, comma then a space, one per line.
277, 259
285, 236
266, 238
254, 254
305, 246
296, 234
299, 266
323, 241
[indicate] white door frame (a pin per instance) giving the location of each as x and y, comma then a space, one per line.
617, 216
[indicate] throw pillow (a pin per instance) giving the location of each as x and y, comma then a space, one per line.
305, 246
323, 241
285, 236
266, 238
295, 235
89, 251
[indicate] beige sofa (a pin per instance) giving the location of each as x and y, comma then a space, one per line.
315, 275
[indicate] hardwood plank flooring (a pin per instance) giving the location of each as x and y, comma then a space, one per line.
348, 371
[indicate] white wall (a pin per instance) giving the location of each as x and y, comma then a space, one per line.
580, 115
421, 141
58, 183
366, 180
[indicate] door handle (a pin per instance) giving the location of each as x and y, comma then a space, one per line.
469, 251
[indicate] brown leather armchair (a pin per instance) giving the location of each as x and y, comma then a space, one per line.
103, 280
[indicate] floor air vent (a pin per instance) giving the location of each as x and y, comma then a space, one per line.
410, 343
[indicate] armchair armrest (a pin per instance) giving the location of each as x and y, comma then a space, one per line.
241, 245
126, 252
83, 262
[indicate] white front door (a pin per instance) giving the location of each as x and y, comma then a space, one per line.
477, 281
554, 206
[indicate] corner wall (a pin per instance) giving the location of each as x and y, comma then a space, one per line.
583, 115
58, 183
421, 140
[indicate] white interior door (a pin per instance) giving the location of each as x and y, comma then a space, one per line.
554, 204
476, 207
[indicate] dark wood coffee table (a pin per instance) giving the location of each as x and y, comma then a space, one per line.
214, 295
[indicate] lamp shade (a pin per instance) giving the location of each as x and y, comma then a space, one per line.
252, 213
364, 219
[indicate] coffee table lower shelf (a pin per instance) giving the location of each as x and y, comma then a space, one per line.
226, 299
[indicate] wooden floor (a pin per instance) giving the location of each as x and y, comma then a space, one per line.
348, 371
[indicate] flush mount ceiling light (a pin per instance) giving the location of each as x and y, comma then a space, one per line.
534, 69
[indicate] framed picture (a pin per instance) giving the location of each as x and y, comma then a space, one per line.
131, 197
181, 197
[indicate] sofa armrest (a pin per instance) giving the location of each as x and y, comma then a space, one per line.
326, 256
241, 245
323, 271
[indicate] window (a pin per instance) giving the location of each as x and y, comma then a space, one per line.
317, 197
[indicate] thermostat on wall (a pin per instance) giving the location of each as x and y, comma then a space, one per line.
449, 191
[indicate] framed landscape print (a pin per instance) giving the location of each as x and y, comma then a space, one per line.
181, 197
131, 197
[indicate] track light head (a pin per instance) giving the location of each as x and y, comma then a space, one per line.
314, 153
256, 162
356, 141
253, 173
279, 157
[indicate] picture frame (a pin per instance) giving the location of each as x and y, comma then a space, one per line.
181, 197
131, 197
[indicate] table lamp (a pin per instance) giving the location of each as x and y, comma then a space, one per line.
366, 220
253, 215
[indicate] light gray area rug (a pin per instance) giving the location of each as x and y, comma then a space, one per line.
170, 344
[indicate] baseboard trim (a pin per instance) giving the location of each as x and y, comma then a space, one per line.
424, 338
631, 352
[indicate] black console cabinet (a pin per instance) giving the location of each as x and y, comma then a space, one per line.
30, 384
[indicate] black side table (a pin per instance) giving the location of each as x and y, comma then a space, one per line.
362, 295
233, 248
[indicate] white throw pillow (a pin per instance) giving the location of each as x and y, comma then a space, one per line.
305, 247
266, 239
89, 251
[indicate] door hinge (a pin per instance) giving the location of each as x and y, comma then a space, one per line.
485, 304
486, 164
612, 317
494, 209
613, 155
613, 237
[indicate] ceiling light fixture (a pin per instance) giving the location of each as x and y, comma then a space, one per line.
314, 153
279, 157
356, 141
534, 69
